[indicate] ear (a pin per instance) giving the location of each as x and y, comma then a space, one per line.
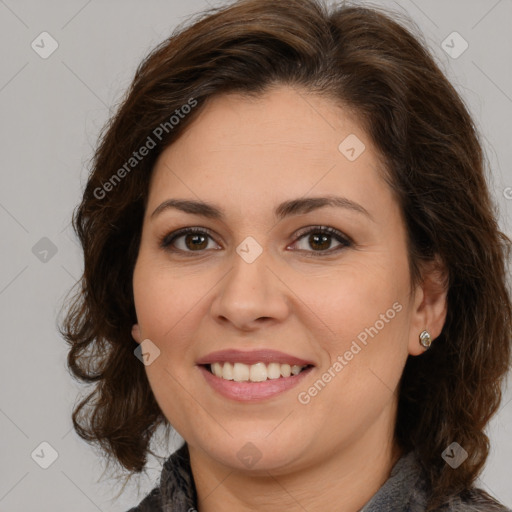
430, 305
136, 333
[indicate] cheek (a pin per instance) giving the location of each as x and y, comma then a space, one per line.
161, 299
353, 297
171, 306
359, 319
165, 315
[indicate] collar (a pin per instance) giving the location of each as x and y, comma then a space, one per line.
404, 491
178, 491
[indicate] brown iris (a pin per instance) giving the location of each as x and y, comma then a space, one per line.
197, 241
319, 241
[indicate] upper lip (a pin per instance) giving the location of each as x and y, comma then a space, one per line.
252, 357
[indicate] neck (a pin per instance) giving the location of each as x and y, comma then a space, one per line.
348, 475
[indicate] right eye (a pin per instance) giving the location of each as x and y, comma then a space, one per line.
187, 240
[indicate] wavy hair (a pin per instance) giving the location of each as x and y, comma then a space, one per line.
362, 59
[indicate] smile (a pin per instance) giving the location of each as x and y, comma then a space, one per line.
259, 372
248, 391
252, 376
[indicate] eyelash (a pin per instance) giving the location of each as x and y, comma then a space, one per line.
167, 240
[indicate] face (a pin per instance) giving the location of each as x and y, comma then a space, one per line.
266, 277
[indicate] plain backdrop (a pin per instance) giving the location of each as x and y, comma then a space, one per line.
52, 110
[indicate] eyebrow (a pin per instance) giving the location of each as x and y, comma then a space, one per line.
288, 208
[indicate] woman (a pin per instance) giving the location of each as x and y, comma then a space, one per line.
288, 224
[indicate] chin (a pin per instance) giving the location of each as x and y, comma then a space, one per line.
258, 456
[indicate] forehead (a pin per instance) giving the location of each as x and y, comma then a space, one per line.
283, 116
286, 142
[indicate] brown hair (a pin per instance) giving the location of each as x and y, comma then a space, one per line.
362, 59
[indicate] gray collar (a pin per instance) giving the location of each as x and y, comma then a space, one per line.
404, 490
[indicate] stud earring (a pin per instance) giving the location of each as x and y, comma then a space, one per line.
425, 339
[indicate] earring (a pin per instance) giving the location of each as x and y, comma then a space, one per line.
425, 339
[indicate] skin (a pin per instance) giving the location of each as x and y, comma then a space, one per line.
246, 156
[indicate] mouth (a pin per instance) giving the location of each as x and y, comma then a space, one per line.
253, 376
259, 372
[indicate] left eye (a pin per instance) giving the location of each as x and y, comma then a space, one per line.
320, 239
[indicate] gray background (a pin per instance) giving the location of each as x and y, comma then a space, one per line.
51, 113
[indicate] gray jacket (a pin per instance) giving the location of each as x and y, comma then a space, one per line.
404, 491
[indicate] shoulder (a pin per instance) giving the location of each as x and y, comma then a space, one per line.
473, 500
176, 490
409, 485
151, 503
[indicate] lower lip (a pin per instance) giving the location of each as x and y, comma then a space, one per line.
251, 391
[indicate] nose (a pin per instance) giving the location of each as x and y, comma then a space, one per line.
251, 294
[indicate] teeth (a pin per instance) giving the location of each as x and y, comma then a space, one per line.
240, 372
286, 370
295, 369
226, 372
273, 371
217, 369
258, 372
